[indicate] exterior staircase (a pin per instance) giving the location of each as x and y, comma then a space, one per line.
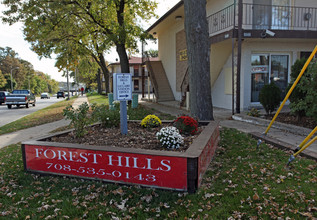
162, 88
184, 88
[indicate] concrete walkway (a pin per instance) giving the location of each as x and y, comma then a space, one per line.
38, 131
282, 135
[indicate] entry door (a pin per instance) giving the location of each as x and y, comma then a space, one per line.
267, 68
279, 72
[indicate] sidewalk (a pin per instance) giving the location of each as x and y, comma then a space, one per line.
38, 131
281, 135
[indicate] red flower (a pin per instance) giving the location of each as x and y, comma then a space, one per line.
186, 124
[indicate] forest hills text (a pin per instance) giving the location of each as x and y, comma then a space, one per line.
104, 158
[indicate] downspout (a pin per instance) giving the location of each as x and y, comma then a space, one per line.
240, 15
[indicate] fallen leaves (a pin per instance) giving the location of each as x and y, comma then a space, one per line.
147, 198
121, 206
254, 186
255, 197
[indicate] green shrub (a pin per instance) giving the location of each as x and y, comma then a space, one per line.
270, 97
311, 96
138, 113
304, 96
79, 118
116, 105
254, 112
107, 118
297, 97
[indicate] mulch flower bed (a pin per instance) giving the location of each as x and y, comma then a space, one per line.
138, 137
288, 118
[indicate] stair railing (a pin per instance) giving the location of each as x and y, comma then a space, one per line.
151, 74
184, 87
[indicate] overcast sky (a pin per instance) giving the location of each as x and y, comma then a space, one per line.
11, 36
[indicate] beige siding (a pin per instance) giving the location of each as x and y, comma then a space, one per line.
215, 6
219, 54
181, 58
228, 80
305, 3
167, 54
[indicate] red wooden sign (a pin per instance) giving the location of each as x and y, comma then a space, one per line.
160, 171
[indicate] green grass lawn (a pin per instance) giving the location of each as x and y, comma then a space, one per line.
49, 114
241, 183
134, 114
94, 98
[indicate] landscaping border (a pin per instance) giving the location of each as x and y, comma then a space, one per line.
182, 171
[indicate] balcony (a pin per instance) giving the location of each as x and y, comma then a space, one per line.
260, 17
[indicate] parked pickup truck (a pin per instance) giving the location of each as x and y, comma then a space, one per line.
20, 97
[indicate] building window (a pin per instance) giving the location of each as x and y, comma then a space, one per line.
259, 75
136, 85
271, 14
280, 14
306, 55
136, 71
267, 68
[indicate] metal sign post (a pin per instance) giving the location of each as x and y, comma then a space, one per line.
122, 83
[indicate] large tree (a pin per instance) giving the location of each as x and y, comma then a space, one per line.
11, 65
87, 71
3, 80
94, 24
198, 52
23, 74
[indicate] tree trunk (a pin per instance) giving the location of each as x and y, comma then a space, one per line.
105, 72
99, 82
198, 52
124, 60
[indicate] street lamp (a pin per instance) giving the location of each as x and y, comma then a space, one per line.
11, 77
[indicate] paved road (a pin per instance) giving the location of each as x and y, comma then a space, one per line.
10, 115
37, 131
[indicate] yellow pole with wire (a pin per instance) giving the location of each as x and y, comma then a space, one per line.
307, 145
292, 157
292, 88
307, 138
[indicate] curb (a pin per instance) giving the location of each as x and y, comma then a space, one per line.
284, 146
281, 126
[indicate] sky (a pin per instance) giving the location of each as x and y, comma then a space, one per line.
12, 36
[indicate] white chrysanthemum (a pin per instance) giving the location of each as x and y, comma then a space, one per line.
169, 137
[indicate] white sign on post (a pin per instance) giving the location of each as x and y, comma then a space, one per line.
122, 86
122, 91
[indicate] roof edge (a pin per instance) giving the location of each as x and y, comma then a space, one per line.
168, 13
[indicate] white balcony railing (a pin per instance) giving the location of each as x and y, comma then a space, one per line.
257, 17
